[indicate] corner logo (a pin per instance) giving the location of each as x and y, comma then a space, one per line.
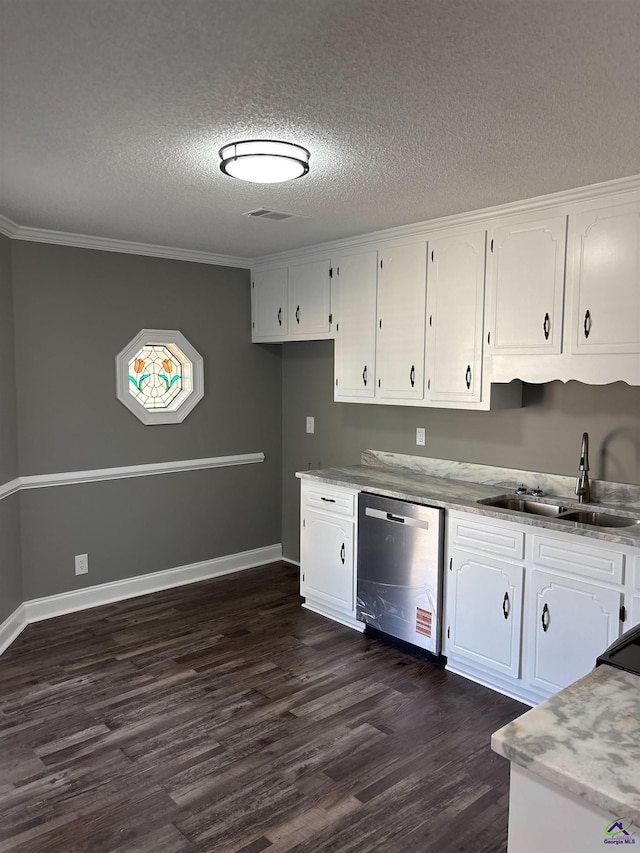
618, 832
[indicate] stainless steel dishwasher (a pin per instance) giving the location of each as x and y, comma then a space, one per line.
400, 569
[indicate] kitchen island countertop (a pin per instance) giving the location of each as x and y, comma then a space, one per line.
585, 739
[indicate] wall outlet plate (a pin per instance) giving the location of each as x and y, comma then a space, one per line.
420, 436
82, 564
311, 424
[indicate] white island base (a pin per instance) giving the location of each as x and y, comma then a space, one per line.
544, 817
575, 768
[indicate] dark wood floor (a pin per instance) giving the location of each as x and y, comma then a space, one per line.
222, 716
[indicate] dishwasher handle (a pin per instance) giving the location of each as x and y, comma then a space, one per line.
397, 519
392, 517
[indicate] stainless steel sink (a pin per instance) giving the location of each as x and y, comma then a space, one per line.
598, 519
522, 505
562, 513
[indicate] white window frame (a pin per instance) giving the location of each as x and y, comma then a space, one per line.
190, 398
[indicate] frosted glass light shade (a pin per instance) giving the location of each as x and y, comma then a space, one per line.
264, 161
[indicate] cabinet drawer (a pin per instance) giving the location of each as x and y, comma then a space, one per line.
329, 498
488, 537
578, 558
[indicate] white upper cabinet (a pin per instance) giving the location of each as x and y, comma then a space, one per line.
310, 299
603, 267
354, 315
455, 307
269, 288
291, 301
402, 274
526, 286
557, 298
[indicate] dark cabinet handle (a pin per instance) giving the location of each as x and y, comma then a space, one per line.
364, 376
546, 618
279, 316
298, 314
467, 377
546, 326
329, 500
343, 553
412, 375
506, 605
587, 323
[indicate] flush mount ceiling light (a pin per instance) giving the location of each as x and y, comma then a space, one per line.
264, 161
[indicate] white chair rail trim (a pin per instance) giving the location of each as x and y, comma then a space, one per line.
67, 478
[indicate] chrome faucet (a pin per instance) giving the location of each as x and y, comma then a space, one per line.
583, 487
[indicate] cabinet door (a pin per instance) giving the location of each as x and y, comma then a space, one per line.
455, 305
354, 308
570, 623
402, 276
326, 559
310, 300
526, 286
485, 611
269, 303
604, 270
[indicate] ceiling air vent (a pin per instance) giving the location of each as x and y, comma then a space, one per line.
275, 215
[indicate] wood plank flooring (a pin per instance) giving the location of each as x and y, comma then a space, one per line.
221, 716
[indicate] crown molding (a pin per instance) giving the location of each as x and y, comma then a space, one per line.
474, 217
105, 244
471, 218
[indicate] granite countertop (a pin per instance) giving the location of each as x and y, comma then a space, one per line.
585, 739
435, 482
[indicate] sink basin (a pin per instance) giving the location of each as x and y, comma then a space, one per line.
598, 519
522, 505
554, 510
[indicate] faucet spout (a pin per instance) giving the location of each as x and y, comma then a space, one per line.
583, 487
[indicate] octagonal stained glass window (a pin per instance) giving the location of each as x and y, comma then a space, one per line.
159, 376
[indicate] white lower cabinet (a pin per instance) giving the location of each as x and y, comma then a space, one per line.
328, 551
571, 622
326, 557
486, 610
528, 609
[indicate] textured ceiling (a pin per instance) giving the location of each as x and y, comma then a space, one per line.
112, 111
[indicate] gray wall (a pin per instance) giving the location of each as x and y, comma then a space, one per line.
8, 418
542, 436
10, 578
75, 309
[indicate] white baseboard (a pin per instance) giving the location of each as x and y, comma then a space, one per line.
500, 686
69, 602
12, 626
335, 616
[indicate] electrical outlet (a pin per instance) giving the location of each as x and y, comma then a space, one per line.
420, 436
311, 424
82, 564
